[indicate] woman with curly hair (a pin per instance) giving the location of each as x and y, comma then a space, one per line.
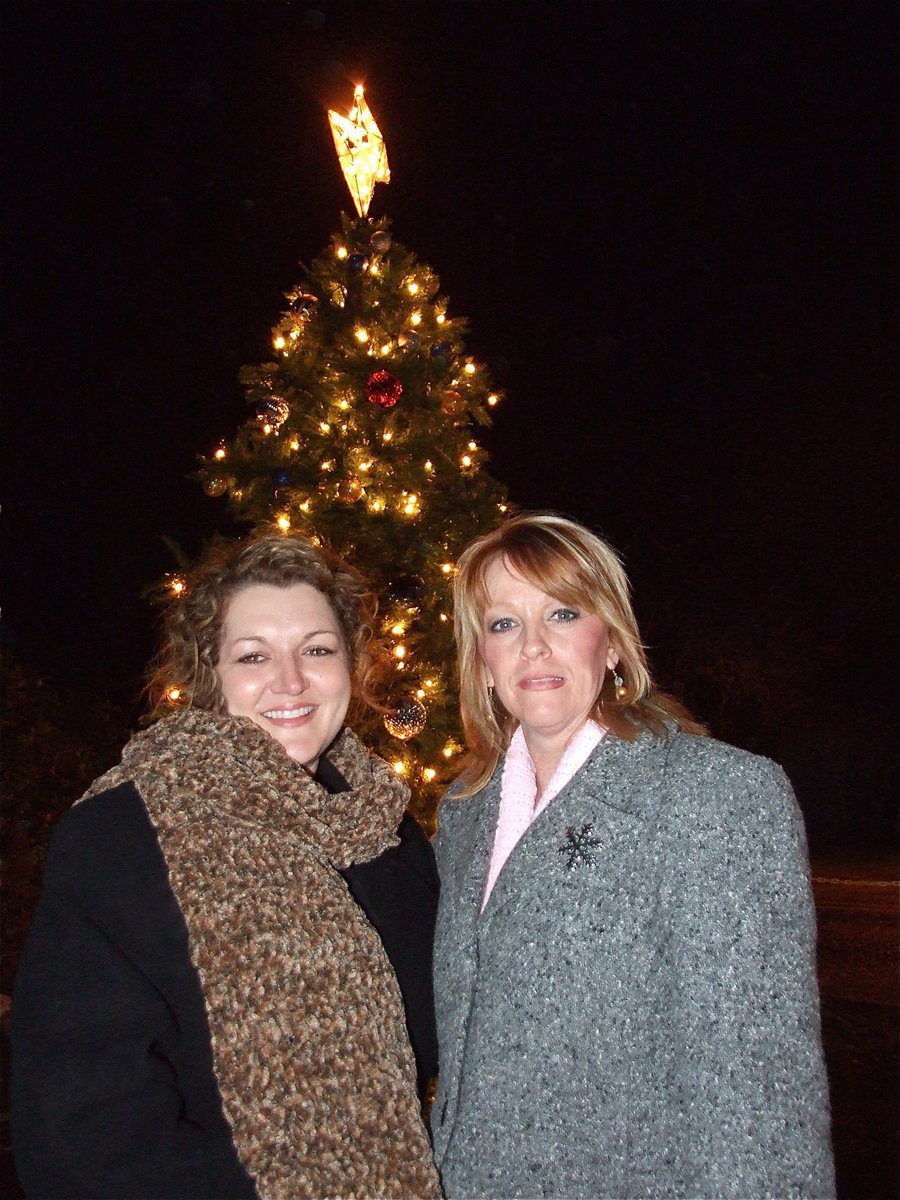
226, 990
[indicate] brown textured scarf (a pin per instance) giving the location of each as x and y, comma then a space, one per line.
309, 1040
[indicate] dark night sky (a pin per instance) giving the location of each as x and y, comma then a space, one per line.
672, 226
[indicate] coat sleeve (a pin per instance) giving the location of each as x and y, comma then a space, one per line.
106, 1097
752, 1084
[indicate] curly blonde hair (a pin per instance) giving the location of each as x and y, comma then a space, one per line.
575, 566
192, 625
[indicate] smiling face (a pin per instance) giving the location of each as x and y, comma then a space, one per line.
283, 663
545, 660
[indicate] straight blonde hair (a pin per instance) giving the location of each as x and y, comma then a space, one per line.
575, 566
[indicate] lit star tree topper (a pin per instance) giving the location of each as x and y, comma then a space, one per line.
361, 150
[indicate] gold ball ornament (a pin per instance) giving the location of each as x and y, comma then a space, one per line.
349, 490
452, 403
407, 720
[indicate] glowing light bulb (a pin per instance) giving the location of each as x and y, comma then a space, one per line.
174, 694
283, 522
386, 348
469, 368
399, 766
429, 465
361, 334
415, 318
365, 466
305, 506
278, 342
420, 693
447, 568
448, 750
326, 465
387, 436
444, 617
397, 629
399, 652
343, 406
220, 453
341, 251
176, 586
440, 318
466, 460
473, 445
413, 288
503, 508
295, 443
428, 774
492, 399
324, 427
429, 683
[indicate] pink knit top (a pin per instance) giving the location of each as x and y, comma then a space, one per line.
519, 805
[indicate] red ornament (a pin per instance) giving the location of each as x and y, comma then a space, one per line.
383, 389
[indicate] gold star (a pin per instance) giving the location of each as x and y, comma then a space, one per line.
361, 151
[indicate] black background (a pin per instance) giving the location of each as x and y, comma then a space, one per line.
672, 228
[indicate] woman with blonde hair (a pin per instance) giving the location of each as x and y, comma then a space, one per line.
624, 959
231, 953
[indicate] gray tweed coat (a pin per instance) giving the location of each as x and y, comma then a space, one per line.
635, 1014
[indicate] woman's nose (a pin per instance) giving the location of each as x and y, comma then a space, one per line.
290, 677
534, 644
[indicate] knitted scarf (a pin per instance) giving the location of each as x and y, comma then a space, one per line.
309, 1041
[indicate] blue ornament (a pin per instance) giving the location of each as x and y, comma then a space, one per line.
356, 263
281, 479
440, 350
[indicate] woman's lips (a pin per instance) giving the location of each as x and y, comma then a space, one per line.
290, 716
540, 683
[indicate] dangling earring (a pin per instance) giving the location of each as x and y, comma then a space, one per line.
619, 685
491, 694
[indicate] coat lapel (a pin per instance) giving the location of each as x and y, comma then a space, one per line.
616, 789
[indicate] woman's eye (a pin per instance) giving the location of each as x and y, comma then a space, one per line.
253, 657
501, 625
564, 615
318, 651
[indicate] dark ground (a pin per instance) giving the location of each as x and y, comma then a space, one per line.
857, 907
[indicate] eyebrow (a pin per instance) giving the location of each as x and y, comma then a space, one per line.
255, 637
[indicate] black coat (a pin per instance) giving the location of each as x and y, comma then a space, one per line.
113, 1088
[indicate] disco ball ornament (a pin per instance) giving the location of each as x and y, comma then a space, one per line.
303, 304
440, 350
407, 340
452, 403
281, 479
380, 241
357, 264
272, 412
407, 720
216, 486
383, 389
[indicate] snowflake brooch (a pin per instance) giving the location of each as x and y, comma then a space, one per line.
579, 847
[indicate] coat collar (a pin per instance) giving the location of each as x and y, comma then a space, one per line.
623, 778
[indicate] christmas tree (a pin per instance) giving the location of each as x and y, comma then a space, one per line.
363, 436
